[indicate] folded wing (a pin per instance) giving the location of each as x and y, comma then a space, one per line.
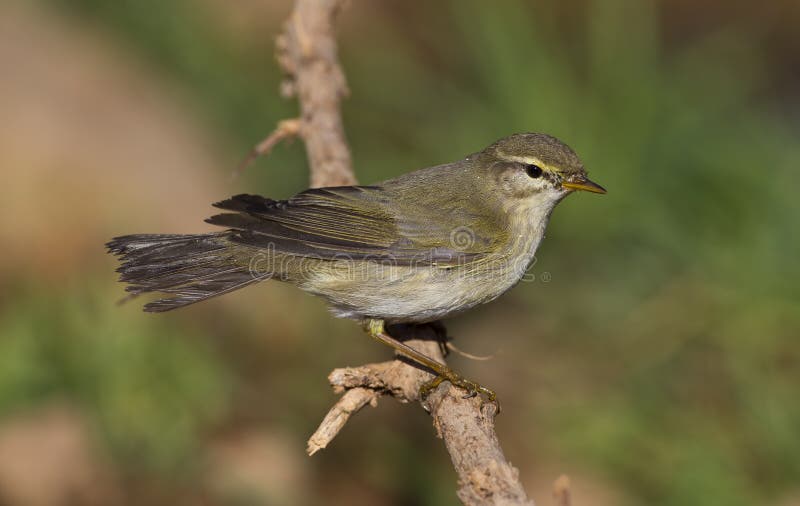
355, 222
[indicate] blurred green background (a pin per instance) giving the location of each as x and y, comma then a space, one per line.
653, 357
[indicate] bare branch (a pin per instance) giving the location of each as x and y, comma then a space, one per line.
307, 53
467, 428
395, 378
286, 129
351, 402
465, 424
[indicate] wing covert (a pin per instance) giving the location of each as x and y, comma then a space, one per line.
345, 222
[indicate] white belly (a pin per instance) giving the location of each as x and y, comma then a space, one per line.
427, 293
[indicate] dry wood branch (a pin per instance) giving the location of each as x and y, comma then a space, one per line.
395, 378
467, 428
465, 425
286, 129
307, 53
350, 403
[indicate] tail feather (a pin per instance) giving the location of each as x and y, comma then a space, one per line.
191, 268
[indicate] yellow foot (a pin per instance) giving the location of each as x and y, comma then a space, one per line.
376, 330
472, 388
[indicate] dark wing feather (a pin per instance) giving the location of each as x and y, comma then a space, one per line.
356, 222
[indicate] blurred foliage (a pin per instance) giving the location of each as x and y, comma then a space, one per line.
662, 356
150, 387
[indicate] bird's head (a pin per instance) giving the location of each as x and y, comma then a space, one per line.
535, 166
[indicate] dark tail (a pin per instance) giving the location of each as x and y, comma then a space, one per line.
190, 267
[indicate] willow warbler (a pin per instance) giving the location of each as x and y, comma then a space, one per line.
413, 249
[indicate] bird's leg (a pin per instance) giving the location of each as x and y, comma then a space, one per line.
376, 330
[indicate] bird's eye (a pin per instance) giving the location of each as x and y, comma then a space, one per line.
533, 171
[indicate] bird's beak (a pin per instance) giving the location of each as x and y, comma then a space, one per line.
583, 183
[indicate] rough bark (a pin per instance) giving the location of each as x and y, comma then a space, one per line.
307, 53
466, 425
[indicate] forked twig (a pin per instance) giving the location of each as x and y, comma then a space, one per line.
286, 129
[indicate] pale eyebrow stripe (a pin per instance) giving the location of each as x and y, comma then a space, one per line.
529, 160
525, 159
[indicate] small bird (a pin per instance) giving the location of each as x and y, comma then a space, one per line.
414, 249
